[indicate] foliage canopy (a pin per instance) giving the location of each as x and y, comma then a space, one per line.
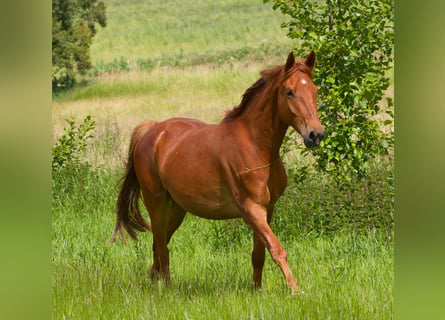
73, 28
354, 45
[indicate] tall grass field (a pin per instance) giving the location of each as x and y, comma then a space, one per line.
161, 59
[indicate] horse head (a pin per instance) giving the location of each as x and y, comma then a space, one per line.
297, 100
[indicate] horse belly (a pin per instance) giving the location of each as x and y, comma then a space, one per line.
204, 200
200, 191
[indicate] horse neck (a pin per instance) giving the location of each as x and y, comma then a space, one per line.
264, 125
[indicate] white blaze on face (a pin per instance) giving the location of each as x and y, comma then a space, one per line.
303, 81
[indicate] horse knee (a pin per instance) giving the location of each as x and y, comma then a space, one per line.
279, 255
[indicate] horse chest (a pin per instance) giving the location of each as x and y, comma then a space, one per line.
277, 182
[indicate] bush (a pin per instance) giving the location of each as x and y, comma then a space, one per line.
72, 144
354, 42
316, 205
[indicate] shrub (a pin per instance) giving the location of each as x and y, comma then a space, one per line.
314, 204
70, 146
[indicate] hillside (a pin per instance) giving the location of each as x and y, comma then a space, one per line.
152, 29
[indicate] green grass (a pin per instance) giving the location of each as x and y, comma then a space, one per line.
153, 29
342, 276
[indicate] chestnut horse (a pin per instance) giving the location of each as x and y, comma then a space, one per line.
228, 170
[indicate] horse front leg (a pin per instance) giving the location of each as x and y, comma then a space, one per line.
258, 255
255, 215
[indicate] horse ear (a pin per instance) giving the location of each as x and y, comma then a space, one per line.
310, 60
290, 61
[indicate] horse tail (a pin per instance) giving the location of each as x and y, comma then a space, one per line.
127, 206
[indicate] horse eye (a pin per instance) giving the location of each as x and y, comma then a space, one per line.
289, 93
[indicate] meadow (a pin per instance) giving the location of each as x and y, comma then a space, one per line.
344, 275
156, 60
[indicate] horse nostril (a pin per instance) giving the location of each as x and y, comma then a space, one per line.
312, 136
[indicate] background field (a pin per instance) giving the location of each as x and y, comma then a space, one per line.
195, 59
151, 29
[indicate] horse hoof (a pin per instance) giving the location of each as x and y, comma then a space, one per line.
151, 273
294, 290
298, 292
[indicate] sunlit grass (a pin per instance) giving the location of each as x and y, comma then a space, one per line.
170, 27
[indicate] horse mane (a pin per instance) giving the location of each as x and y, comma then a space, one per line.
268, 78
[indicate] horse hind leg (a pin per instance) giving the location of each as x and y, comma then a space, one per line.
164, 221
165, 214
175, 217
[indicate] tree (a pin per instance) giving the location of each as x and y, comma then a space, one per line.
73, 28
354, 43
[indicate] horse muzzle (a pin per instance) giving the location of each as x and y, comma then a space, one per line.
314, 138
